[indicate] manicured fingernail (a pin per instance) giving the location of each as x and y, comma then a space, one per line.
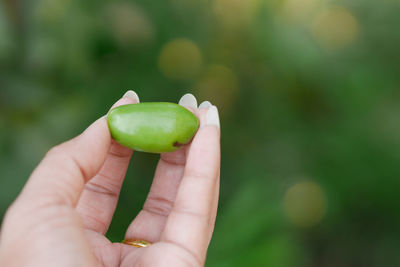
132, 95
205, 104
188, 101
212, 116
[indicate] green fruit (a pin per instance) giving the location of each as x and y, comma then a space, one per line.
152, 127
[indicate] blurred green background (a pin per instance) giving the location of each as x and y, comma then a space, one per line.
308, 94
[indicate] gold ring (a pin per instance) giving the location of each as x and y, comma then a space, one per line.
136, 243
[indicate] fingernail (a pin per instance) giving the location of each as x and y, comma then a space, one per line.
212, 116
132, 95
205, 104
188, 101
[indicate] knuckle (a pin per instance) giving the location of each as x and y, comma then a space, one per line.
103, 188
158, 205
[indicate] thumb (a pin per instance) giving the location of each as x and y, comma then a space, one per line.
60, 177
43, 216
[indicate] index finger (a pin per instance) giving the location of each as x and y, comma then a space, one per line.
191, 221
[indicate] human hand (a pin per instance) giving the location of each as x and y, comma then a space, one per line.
66, 207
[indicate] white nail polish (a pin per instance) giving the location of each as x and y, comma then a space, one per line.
212, 116
132, 95
188, 101
205, 104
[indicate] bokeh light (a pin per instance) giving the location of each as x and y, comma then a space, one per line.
304, 87
48, 11
180, 59
235, 13
129, 24
335, 28
300, 10
305, 204
220, 85
187, 4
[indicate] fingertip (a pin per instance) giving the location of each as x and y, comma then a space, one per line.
205, 104
188, 101
131, 95
202, 115
213, 116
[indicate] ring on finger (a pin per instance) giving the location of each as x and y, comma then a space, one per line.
139, 243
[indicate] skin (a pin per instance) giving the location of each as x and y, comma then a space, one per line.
152, 127
66, 207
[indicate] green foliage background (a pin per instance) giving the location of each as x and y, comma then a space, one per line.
308, 94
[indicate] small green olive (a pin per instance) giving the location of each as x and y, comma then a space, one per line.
152, 127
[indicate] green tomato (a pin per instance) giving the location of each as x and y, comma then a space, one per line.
152, 127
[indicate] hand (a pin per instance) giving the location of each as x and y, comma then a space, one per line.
66, 207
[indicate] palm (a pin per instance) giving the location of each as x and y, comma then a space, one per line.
151, 222
159, 254
68, 203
